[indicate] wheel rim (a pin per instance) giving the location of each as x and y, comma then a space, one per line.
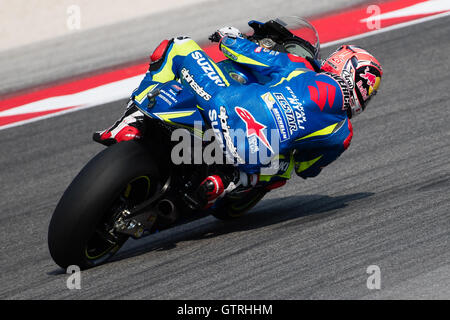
103, 244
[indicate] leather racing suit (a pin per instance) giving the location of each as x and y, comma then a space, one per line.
304, 106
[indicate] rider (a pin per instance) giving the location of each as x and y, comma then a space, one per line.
309, 106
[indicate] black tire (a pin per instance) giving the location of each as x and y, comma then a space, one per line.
235, 207
88, 201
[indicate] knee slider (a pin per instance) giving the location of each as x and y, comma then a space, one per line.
160, 51
158, 55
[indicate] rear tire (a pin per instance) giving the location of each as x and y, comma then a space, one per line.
89, 200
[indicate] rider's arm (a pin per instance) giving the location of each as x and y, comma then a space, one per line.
261, 60
313, 156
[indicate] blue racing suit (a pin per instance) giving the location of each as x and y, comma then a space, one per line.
297, 115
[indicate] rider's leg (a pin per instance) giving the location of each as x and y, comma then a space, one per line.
131, 125
172, 59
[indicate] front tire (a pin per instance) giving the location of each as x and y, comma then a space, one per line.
76, 235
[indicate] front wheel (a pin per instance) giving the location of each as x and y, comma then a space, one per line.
81, 230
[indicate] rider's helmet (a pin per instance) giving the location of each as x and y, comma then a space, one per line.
361, 71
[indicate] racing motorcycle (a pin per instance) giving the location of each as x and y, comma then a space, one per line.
133, 189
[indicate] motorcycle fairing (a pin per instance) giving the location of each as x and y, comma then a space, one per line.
174, 105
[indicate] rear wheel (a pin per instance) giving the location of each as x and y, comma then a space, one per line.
81, 230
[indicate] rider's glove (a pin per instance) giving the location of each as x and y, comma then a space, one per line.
230, 32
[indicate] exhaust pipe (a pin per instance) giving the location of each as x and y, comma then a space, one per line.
167, 210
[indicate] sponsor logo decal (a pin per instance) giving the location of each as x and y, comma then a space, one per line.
348, 77
288, 112
298, 108
207, 68
344, 85
269, 100
254, 128
194, 85
177, 88
258, 49
270, 52
228, 144
228, 54
370, 77
320, 94
363, 90
169, 95
277, 115
162, 96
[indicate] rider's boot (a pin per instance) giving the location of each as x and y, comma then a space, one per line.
129, 127
217, 186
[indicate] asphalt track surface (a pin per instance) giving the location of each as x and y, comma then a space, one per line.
385, 202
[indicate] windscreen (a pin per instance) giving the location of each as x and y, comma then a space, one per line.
302, 29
